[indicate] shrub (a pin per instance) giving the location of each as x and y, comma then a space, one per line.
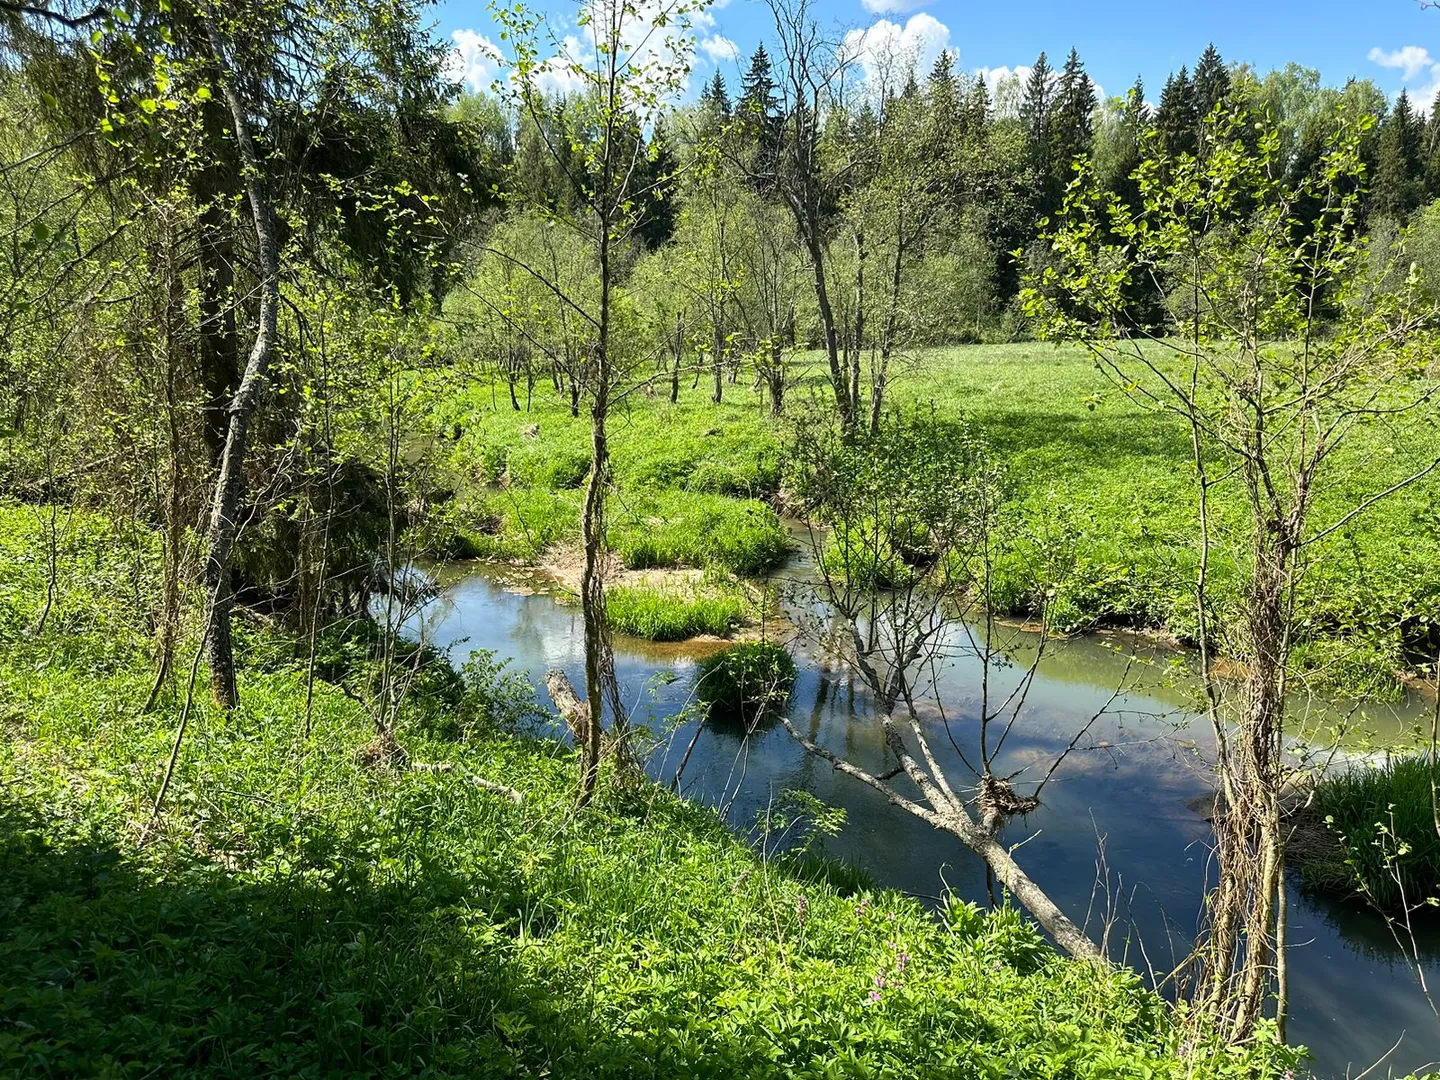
748, 684
673, 615
1389, 850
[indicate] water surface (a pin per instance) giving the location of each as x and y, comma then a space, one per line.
1115, 841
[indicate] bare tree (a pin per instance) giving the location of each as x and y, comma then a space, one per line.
903, 528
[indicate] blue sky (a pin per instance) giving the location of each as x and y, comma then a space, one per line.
1394, 42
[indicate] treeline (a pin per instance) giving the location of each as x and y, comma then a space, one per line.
868, 212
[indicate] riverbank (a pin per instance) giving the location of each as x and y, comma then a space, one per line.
305, 905
1103, 482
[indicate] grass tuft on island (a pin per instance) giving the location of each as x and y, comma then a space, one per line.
1383, 844
675, 612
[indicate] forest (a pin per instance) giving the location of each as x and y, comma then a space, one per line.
860, 569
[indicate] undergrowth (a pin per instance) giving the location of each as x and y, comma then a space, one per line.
306, 908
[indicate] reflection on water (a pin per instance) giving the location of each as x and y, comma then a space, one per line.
1114, 843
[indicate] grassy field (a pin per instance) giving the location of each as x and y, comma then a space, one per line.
310, 907
1103, 484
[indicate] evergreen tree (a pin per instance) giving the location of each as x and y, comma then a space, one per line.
1035, 109
1177, 118
1072, 120
1432, 151
1399, 183
1211, 82
943, 89
757, 90
716, 96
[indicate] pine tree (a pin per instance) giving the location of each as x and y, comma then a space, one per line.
716, 96
1211, 82
1177, 118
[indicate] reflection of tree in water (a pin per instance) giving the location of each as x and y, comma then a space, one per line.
1369, 934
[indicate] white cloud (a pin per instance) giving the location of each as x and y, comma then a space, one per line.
474, 61
1412, 60
887, 52
892, 7
720, 48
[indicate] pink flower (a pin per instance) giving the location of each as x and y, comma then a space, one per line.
874, 997
802, 908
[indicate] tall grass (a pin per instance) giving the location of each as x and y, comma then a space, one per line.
1389, 844
673, 614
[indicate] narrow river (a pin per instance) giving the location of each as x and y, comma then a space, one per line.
1115, 837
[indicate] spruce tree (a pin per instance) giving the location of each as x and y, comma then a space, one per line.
757, 89
1036, 105
1432, 151
717, 96
1177, 118
1399, 169
1072, 120
1211, 82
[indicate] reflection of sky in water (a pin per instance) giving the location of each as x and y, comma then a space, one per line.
1352, 994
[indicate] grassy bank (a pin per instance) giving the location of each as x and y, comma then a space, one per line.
1101, 485
309, 908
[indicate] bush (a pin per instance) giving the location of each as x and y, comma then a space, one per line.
673, 615
1389, 850
748, 684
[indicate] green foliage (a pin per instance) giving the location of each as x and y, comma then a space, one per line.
314, 911
740, 536
747, 684
1388, 850
673, 613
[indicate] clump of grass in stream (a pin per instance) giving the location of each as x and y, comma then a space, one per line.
746, 685
1388, 849
672, 613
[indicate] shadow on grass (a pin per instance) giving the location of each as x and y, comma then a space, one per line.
115, 963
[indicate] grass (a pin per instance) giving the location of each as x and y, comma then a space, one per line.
1103, 498
673, 613
1388, 849
747, 684
299, 912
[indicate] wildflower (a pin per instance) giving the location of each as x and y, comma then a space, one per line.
862, 905
901, 962
879, 982
874, 997
802, 908
1187, 1046
1288, 1074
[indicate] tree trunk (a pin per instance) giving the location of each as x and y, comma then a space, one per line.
230, 484
219, 337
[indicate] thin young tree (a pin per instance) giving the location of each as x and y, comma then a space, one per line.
637, 61
1282, 346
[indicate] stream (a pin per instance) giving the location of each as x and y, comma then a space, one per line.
1115, 837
